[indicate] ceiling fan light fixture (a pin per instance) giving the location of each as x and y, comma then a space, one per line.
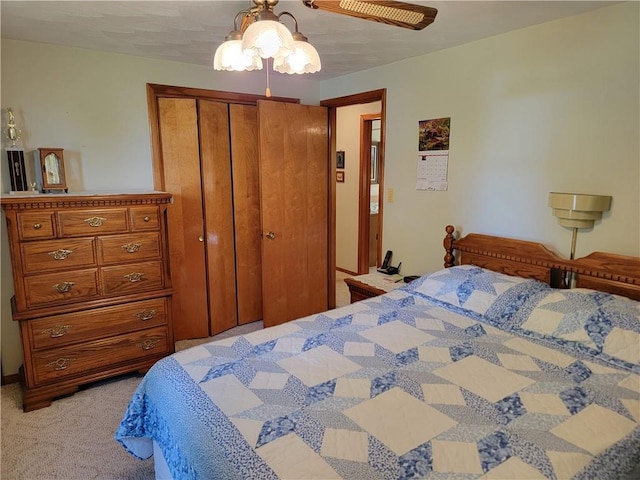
230, 57
304, 59
267, 39
262, 35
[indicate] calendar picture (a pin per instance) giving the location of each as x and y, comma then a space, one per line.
434, 134
433, 154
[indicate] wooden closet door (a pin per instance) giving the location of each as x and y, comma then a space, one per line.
294, 192
178, 129
246, 211
215, 158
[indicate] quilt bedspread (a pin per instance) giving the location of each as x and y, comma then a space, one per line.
398, 386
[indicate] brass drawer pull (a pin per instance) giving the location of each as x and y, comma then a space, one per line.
61, 363
146, 315
95, 221
134, 276
63, 287
132, 247
148, 343
57, 331
146, 219
37, 226
60, 254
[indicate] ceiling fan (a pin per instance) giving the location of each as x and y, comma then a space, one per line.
400, 14
261, 35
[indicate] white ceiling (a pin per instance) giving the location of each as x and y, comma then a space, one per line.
190, 31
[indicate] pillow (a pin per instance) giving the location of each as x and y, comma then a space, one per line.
473, 288
598, 323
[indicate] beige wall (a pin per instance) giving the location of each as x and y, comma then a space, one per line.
347, 193
554, 107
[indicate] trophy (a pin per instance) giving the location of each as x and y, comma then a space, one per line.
11, 132
17, 170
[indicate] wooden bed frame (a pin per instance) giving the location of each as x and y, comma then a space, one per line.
607, 272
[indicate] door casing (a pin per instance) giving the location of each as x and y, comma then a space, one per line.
364, 196
333, 104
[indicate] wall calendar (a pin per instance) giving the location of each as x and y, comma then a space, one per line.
433, 154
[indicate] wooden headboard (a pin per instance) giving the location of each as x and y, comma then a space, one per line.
606, 272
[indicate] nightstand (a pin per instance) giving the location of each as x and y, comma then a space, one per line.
372, 285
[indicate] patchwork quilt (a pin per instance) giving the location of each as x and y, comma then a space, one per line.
461, 374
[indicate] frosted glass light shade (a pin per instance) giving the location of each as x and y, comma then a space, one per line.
304, 59
229, 56
577, 210
267, 39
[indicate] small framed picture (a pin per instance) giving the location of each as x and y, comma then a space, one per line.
340, 177
340, 159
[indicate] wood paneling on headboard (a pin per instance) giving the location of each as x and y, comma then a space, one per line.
606, 272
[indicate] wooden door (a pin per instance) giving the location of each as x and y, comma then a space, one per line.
294, 176
178, 135
217, 191
246, 211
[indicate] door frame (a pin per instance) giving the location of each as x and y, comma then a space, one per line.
364, 196
333, 104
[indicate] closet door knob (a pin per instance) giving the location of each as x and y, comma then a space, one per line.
270, 235
201, 238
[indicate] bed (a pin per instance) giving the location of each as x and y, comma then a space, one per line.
488, 368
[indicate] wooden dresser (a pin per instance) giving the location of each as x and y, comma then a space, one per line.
92, 287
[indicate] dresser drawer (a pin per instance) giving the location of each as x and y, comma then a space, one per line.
61, 287
129, 248
74, 223
57, 255
35, 225
144, 218
97, 355
66, 329
131, 278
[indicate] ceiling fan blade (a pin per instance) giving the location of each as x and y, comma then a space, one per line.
400, 14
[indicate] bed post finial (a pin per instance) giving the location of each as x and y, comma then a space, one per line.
449, 259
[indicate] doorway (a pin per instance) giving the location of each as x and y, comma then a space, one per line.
364, 183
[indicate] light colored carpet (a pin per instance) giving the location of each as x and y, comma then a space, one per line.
342, 290
71, 439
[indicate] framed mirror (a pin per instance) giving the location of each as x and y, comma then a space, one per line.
51, 170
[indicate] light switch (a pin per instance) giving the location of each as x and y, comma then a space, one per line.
390, 195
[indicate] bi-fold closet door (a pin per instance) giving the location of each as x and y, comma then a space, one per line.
249, 227
210, 165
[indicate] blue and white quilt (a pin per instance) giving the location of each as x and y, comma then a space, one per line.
461, 374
